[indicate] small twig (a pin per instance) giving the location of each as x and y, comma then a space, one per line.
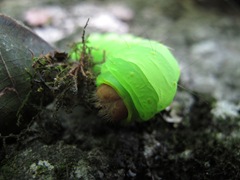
84, 30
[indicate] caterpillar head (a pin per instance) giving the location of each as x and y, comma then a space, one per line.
110, 103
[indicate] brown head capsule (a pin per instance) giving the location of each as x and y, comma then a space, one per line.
111, 104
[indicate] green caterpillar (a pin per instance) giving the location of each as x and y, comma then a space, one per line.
143, 72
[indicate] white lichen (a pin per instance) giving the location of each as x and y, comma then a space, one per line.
82, 171
151, 145
41, 167
225, 109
